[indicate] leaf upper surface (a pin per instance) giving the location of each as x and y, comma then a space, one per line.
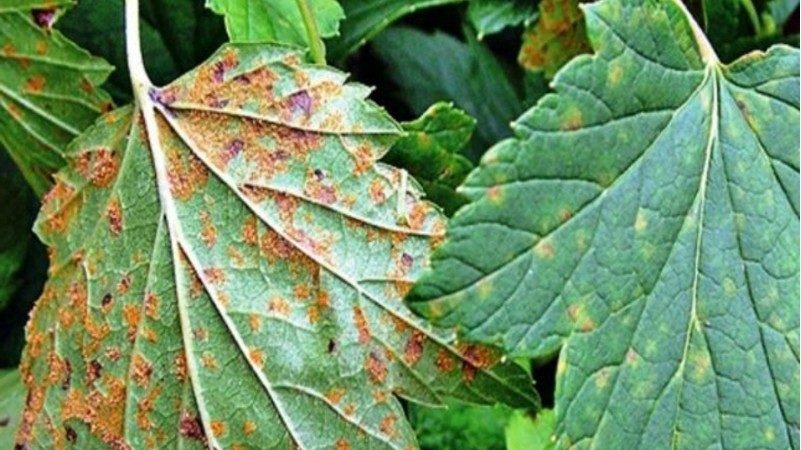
230, 273
644, 225
48, 88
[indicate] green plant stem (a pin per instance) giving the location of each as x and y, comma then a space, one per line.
316, 47
752, 15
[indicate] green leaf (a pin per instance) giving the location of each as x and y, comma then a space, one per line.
429, 150
491, 16
365, 19
276, 20
524, 432
460, 426
15, 196
556, 38
228, 270
438, 67
725, 20
12, 399
781, 10
48, 88
176, 35
644, 224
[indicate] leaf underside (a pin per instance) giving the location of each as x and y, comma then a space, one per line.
644, 224
48, 88
239, 281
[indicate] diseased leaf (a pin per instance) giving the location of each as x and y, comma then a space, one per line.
176, 36
432, 68
227, 270
276, 20
15, 235
644, 224
429, 150
492, 16
365, 19
460, 426
12, 399
557, 37
48, 88
524, 432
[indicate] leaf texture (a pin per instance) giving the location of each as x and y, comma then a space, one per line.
227, 271
277, 21
48, 88
12, 399
491, 16
555, 39
644, 225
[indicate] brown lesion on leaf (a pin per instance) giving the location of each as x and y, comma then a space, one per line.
362, 327
387, 425
413, 350
130, 315
218, 427
254, 320
249, 427
190, 427
124, 285
141, 370
186, 172
34, 84
318, 188
209, 361
334, 395
151, 305
279, 307
144, 407
114, 216
103, 412
342, 444
208, 232
376, 367
250, 231
180, 368
256, 356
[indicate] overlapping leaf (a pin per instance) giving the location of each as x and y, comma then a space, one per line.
48, 88
429, 150
557, 36
276, 20
492, 16
12, 399
228, 271
644, 224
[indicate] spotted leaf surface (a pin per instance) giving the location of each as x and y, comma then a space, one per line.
48, 88
227, 269
556, 37
644, 225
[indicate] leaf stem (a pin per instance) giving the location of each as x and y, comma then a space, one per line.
316, 47
136, 67
752, 15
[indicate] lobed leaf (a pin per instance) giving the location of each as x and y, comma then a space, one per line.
227, 267
644, 225
48, 88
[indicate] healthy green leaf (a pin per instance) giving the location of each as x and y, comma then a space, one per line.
365, 19
644, 223
781, 10
557, 37
491, 16
48, 88
176, 36
276, 20
429, 150
227, 270
432, 68
12, 399
524, 432
460, 426
15, 196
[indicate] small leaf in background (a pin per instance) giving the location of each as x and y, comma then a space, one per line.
429, 150
527, 432
229, 271
437, 67
782, 10
176, 36
491, 16
365, 19
644, 225
12, 400
557, 36
460, 426
277, 21
48, 88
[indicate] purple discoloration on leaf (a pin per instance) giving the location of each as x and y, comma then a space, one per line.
301, 101
44, 17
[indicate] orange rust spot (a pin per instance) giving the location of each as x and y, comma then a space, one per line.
9, 50
249, 427
130, 314
279, 306
342, 444
376, 367
208, 360
544, 249
124, 285
387, 425
364, 159
87, 86
208, 232
302, 292
380, 396
349, 410
335, 395
414, 347
180, 368
141, 371
255, 322
217, 428
417, 215
35, 83
186, 175
215, 275
144, 407
149, 335
377, 191
114, 217
256, 356
41, 47
445, 362
151, 305
477, 355
250, 231
565, 215
361, 325
113, 353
